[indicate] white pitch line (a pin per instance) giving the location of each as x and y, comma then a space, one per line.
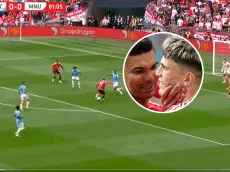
48, 109
128, 119
73, 49
34, 57
217, 92
208, 73
79, 50
119, 169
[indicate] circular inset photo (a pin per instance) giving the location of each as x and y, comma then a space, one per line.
163, 72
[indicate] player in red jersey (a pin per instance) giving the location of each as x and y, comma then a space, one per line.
180, 64
101, 88
56, 71
142, 82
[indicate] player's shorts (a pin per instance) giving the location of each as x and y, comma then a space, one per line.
24, 97
101, 92
56, 72
20, 125
115, 84
75, 78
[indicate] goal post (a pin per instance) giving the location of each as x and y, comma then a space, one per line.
221, 51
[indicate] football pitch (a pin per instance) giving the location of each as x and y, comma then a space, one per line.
69, 129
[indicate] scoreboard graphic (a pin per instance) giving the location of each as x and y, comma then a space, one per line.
33, 6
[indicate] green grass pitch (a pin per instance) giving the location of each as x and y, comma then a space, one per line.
69, 129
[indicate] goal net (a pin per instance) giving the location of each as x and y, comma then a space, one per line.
221, 51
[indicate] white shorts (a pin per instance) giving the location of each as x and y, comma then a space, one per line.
20, 125
24, 97
75, 78
115, 84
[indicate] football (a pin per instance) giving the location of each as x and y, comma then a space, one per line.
98, 98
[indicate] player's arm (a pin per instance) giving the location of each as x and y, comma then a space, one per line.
222, 70
108, 83
25, 91
62, 67
97, 84
110, 74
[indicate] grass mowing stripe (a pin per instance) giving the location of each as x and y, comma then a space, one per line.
128, 119
48, 109
73, 49
35, 57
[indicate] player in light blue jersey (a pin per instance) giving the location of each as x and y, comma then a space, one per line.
116, 82
19, 121
24, 96
76, 77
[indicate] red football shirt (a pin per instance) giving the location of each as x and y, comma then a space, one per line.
101, 85
179, 106
56, 66
155, 107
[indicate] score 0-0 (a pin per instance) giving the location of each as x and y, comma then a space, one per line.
15, 6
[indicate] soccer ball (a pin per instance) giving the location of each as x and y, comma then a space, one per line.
98, 98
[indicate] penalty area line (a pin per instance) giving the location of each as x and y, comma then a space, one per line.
72, 49
45, 57
49, 109
127, 119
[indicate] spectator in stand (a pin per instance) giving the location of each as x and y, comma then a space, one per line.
119, 22
105, 22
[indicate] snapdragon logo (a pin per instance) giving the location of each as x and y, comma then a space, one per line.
4, 31
125, 33
76, 32
54, 29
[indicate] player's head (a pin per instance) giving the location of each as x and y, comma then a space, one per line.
225, 60
115, 71
57, 61
17, 107
140, 68
103, 79
23, 82
180, 64
74, 68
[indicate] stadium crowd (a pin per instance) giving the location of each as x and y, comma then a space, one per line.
184, 17
31, 18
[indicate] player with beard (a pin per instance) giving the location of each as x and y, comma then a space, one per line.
141, 80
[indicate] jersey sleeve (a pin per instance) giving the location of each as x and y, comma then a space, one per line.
155, 107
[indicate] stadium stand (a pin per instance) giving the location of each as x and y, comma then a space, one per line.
200, 19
